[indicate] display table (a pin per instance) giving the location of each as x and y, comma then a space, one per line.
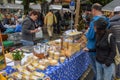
71, 69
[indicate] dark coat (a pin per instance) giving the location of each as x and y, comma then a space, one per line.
28, 25
105, 51
115, 28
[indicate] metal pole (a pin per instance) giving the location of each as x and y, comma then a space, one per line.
72, 7
71, 19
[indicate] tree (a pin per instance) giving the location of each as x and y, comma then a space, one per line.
26, 5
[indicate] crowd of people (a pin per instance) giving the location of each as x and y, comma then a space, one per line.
52, 22
103, 36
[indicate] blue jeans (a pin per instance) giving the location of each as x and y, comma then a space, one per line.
92, 56
104, 72
27, 43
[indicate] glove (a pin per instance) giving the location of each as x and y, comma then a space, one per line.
107, 63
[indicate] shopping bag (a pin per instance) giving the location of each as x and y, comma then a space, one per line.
39, 34
117, 57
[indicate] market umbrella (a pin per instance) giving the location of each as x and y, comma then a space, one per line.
2, 7
110, 6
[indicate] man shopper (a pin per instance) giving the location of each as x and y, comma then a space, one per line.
49, 21
115, 28
90, 34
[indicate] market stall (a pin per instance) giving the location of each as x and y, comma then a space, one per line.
60, 59
71, 69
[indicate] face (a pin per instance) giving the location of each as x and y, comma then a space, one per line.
34, 17
93, 12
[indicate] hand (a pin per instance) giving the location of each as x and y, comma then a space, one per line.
36, 30
85, 49
39, 28
107, 64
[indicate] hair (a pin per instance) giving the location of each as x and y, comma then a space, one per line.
101, 27
101, 24
97, 6
33, 12
118, 12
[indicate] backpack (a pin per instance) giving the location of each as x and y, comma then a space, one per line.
117, 57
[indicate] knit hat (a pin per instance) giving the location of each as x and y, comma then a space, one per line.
117, 9
101, 24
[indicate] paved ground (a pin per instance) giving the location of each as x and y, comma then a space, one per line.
87, 75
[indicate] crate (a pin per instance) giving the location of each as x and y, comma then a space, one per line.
15, 36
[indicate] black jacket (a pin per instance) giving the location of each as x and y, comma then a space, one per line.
105, 51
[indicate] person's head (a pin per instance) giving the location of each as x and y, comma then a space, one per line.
100, 26
117, 10
33, 15
96, 9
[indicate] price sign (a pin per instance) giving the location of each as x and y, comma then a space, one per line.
72, 5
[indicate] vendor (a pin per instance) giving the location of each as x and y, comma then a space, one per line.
28, 29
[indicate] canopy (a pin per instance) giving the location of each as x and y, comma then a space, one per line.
57, 7
110, 6
11, 6
35, 6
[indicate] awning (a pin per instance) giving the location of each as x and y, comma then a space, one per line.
57, 7
110, 6
36, 6
11, 6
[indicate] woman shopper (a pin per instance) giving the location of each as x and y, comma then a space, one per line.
105, 51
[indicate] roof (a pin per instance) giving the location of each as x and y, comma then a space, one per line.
36, 6
110, 6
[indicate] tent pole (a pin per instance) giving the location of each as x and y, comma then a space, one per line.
77, 16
